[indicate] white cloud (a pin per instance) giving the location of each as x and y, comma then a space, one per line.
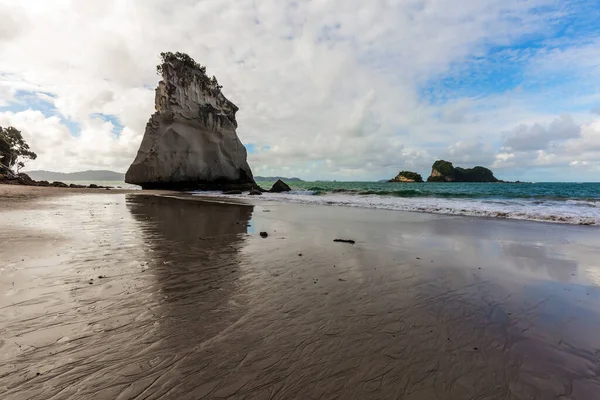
470, 153
331, 86
575, 155
58, 149
537, 137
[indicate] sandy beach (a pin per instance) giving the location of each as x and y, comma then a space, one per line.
124, 295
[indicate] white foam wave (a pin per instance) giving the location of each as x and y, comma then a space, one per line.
567, 212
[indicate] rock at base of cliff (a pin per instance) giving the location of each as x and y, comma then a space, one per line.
255, 192
25, 179
280, 186
440, 179
198, 185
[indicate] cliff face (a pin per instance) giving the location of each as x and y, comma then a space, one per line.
190, 141
444, 171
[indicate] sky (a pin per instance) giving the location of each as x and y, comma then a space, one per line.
327, 89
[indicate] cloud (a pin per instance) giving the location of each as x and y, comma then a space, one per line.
574, 157
536, 137
470, 154
58, 149
326, 88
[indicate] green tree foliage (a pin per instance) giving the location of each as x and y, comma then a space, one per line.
186, 66
13, 148
180, 59
444, 167
475, 174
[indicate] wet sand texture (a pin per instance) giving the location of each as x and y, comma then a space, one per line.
192, 303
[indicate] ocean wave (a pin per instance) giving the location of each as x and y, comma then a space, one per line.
580, 212
408, 193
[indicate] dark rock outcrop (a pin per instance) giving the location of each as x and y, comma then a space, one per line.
24, 179
10, 178
255, 192
407, 176
190, 142
444, 171
279, 187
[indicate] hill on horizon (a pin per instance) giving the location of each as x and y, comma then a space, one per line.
275, 178
106, 175
90, 175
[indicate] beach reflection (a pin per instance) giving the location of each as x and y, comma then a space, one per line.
130, 290
536, 259
193, 304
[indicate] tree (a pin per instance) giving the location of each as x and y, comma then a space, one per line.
13, 148
182, 58
186, 67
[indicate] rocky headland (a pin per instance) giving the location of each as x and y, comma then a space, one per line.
190, 141
444, 171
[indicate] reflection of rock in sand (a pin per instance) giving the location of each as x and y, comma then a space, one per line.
185, 222
194, 248
169, 279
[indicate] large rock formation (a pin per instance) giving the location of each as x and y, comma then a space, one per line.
444, 171
190, 141
407, 176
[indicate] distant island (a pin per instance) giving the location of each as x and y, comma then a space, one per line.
91, 175
276, 178
407, 176
444, 171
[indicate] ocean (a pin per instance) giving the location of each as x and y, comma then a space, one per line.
569, 203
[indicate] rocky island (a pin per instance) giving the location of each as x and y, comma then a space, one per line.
407, 176
444, 171
190, 141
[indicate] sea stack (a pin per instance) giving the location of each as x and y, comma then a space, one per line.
190, 142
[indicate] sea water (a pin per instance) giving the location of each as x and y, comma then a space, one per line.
571, 203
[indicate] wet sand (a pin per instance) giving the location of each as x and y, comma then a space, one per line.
132, 296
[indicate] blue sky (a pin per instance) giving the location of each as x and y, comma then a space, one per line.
326, 90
